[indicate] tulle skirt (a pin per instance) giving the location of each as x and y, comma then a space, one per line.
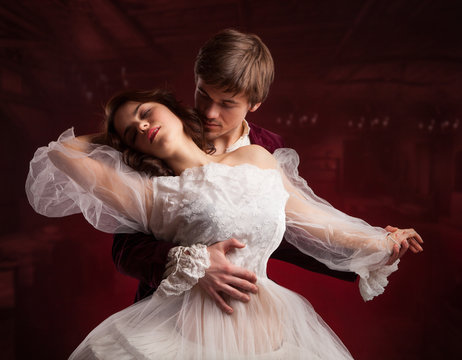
276, 324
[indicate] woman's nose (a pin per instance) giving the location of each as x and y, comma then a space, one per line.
143, 125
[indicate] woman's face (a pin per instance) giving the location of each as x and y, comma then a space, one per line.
150, 128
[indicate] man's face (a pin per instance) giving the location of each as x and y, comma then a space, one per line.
224, 111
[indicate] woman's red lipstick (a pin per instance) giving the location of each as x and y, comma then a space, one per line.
152, 133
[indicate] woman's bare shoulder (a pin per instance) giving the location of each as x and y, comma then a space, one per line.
252, 154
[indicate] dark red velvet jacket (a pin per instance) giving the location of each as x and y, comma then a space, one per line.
143, 257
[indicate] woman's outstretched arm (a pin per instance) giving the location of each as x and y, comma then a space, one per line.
336, 239
71, 175
337, 229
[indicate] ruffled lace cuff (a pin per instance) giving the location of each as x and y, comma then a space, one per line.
372, 283
185, 266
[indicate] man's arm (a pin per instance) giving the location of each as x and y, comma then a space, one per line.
141, 256
223, 277
289, 253
144, 258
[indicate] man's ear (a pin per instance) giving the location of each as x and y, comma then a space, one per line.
255, 107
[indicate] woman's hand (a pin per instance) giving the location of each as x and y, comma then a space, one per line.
403, 239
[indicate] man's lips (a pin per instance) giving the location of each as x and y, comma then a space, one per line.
211, 124
152, 133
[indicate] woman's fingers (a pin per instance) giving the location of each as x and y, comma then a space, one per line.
414, 239
414, 248
418, 237
407, 239
414, 243
411, 233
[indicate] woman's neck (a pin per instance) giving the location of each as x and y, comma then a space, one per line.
186, 156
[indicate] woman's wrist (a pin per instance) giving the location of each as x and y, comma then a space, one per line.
392, 241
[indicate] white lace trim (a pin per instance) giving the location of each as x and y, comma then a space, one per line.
243, 140
372, 283
185, 266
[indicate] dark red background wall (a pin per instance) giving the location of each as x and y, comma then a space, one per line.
368, 92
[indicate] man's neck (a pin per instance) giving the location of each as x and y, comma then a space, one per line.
223, 142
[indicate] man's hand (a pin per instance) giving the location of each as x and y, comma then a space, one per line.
404, 239
222, 277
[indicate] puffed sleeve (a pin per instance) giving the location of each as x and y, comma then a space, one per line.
336, 239
70, 176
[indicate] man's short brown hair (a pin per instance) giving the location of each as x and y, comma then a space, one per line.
236, 62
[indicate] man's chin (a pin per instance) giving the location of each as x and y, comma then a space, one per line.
211, 135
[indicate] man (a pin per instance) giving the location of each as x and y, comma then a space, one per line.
233, 74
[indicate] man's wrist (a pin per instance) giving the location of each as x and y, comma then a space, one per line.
185, 266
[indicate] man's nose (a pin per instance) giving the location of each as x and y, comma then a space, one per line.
212, 111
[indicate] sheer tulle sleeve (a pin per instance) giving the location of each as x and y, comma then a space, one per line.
70, 176
340, 241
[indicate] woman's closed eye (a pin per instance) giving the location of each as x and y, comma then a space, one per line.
144, 114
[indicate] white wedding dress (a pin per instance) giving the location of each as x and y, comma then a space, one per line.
203, 205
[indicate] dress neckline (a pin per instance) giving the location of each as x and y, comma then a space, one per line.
191, 170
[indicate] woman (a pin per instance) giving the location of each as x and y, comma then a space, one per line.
248, 194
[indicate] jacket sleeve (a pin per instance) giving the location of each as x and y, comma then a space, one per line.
289, 253
141, 256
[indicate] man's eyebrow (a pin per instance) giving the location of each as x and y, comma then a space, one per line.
203, 91
231, 101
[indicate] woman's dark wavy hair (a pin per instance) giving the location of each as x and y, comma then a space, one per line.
192, 124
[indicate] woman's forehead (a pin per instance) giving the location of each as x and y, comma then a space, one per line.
125, 114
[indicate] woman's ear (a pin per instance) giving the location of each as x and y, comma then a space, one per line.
255, 107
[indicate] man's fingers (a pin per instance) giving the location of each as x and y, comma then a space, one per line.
404, 247
231, 244
220, 301
235, 293
242, 273
243, 285
391, 228
394, 256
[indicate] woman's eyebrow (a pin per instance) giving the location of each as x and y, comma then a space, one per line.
136, 109
127, 129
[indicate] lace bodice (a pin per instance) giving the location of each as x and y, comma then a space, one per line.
216, 202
